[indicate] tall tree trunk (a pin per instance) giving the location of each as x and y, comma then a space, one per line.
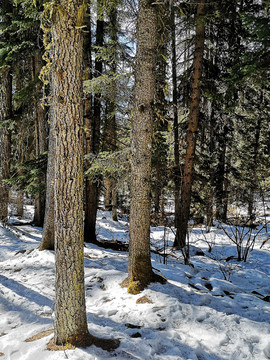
109, 129
5, 139
114, 202
177, 174
221, 213
210, 193
254, 181
5, 115
41, 138
140, 268
20, 193
108, 194
48, 227
67, 111
20, 200
159, 158
92, 146
193, 121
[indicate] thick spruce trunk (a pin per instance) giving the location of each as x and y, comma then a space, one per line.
5, 139
140, 268
193, 121
67, 111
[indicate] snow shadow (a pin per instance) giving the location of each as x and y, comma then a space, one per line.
25, 292
153, 343
25, 314
228, 304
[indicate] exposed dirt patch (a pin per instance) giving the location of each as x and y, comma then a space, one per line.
124, 283
40, 335
144, 300
105, 344
53, 347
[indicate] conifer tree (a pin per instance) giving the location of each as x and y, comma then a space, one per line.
193, 122
48, 237
140, 268
109, 128
70, 312
93, 140
40, 121
5, 116
5, 139
160, 122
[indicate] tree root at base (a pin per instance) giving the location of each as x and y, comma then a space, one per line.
105, 344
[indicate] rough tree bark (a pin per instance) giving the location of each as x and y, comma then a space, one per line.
67, 111
70, 312
193, 121
140, 268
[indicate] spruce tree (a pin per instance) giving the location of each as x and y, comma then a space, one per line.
193, 121
5, 112
70, 311
140, 268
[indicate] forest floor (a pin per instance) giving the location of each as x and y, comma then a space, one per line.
216, 308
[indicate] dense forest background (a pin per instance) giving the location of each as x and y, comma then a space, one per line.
232, 136
175, 105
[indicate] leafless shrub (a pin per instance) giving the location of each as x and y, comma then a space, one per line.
243, 236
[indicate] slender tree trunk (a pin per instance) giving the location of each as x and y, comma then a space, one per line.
159, 158
140, 268
109, 129
177, 174
108, 194
254, 181
5, 115
114, 202
210, 193
20, 193
193, 121
70, 312
20, 201
41, 139
5, 139
221, 213
48, 228
92, 146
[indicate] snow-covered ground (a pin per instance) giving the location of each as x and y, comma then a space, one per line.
196, 315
